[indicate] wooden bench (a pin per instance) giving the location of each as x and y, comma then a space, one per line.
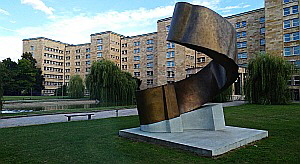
75, 115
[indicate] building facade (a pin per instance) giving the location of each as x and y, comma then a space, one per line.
273, 29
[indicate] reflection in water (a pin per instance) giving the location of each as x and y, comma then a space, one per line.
50, 107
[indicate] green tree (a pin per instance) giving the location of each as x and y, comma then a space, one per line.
22, 78
76, 87
9, 74
111, 86
37, 87
267, 80
2, 68
26, 77
61, 91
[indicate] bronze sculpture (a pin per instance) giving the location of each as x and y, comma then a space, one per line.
200, 29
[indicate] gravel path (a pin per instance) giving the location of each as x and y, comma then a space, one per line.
46, 119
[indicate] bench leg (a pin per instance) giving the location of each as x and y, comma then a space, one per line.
69, 118
89, 117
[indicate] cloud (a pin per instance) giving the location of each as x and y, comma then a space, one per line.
229, 8
39, 5
4, 12
76, 29
11, 47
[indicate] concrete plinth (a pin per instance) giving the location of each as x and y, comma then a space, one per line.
203, 142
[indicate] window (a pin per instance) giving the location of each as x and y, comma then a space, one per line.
201, 60
168, 28
150, 57
31, 48
295, 22
150, 65
287, 37
170, 74
295, 9
170, 64
287, 51
297, 80
124, 59
137, 50
295, 36
136, 66
262, 20
124, 67
137, 74
244, 34
136, 58
286, 11
241, 44
170, 54
149, 49
124, 52
77, 70
238, 25
99, 41
137, 43
77, 57
244, 24
77, 63
242, 55
262, 30
287, 24
99, 54
87, 56
77, 51
99, 48
286, 1
171, 45
88, 69
150, 41
262, 42
149, 73
296, 50
149, 81
238, 34
68, 64
88, 62
88, 50
124, 45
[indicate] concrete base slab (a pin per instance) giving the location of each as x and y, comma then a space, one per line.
203, 142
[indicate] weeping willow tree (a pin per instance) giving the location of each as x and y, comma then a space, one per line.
267, 80
111, 86
224, 96
76, 87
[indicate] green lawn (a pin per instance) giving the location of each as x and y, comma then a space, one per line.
97, 141
78, 110
14, 98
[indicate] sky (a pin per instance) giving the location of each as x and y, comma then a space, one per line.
72, 21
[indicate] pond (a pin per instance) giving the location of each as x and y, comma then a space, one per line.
48, 107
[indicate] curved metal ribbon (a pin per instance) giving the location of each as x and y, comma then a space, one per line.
203, 30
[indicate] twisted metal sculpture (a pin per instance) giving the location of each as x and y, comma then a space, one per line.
203, 30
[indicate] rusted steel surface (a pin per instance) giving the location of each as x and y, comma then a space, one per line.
203, 30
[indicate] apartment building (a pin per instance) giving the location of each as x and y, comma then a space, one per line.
273, 29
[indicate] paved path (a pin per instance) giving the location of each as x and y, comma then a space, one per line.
46, 119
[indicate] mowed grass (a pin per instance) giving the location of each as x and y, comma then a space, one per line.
97, 141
